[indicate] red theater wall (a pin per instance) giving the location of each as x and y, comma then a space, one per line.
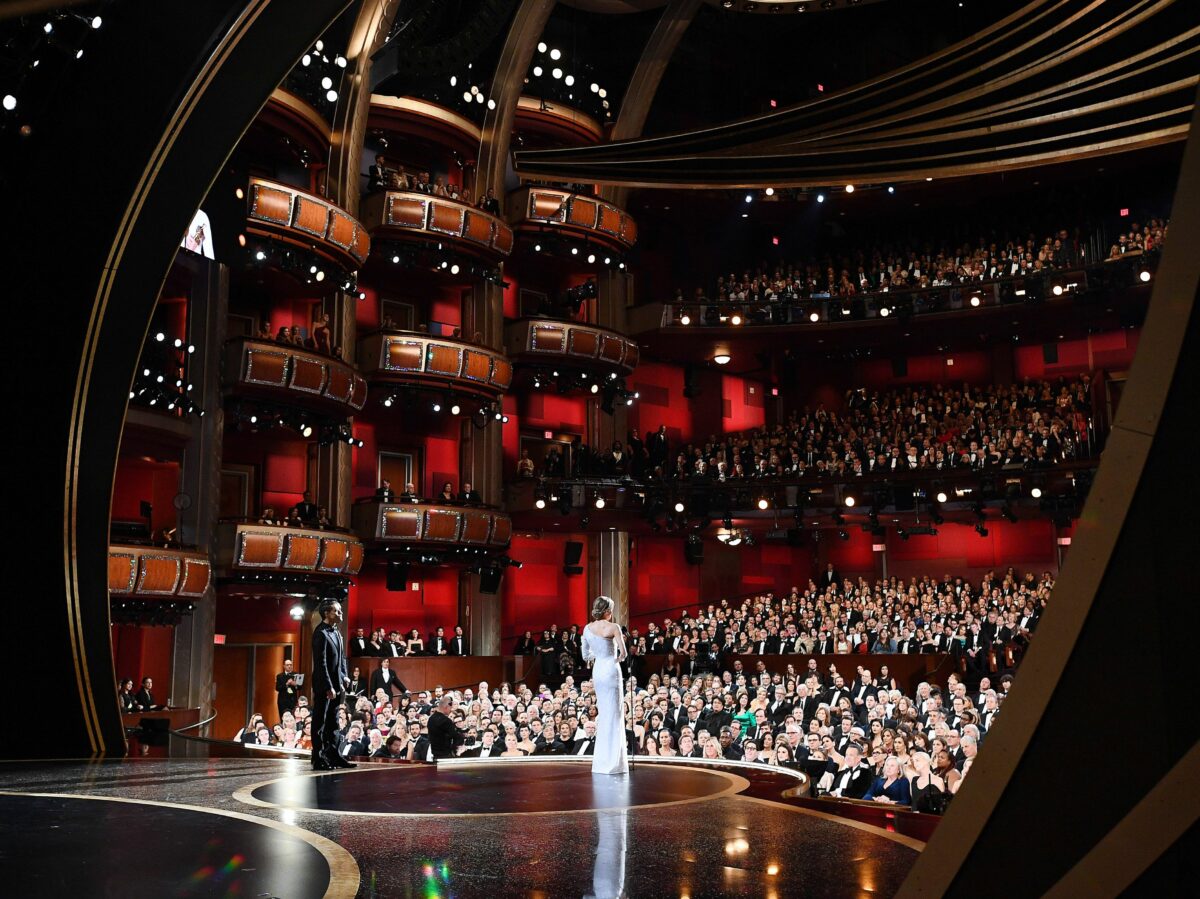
429, 601
539, 594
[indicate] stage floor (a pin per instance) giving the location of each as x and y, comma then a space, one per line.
250, 827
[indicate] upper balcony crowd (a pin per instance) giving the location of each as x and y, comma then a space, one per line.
919, 265
1035, 424
383, 175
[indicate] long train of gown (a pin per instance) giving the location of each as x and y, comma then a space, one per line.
610, 754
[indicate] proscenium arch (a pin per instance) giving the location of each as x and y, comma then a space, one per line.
153, 112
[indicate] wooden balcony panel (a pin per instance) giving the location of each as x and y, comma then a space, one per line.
432, 525
405, 357
248, 547
580, 345
135, 570
547, 209
413, 215
293, 375
293, 216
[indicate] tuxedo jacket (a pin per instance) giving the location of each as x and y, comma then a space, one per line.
480, 753
145, 699
458, 646
443, 736
328, 659
389, 685
853, 782
287, 694
359, 646
435, 645
584, 747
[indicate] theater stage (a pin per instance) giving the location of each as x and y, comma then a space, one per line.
257, 827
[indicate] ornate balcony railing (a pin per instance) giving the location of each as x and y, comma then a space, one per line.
440, 363
296, 218
413, 215
142, 570
549, 209
293, 376
249, 548
438, 528
578, 345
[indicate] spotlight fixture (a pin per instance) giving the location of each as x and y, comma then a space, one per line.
749, 198
770, 191
437, 407
721, 358
941, 497
975, 300
891, 189
541, 46
820, 198
850, 502
981, 530
849, 188
884, 311
685, 319
735, 319
10, 102
814, 316
455, 409
537, 71
1144, 276
1057, 290
763, 503
388, 401
599, 501
297, 612
540, 503
1036, 492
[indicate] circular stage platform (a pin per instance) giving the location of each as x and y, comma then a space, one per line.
469, 828
491, 788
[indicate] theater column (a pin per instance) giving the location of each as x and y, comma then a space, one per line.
608, 570
335, 463
481, 452
199, 501
612, 293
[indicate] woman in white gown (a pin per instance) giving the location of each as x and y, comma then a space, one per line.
604, 647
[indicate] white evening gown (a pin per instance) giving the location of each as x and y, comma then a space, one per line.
609, 757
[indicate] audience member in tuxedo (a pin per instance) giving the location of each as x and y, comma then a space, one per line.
384, 678
853, 778
438, 646
385, 493
410, 494
286, 689
359, 645
487, 749
378, 175
305, 511
469, 494
145, 696
444, 735
458, 643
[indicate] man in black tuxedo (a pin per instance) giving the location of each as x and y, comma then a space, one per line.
385, 493
656, 446
393, 648
359, 645
305, 510
437, 643
329, 680
469, 494
587, 744
853, 779
830, 577
384, 678
458, 643
410, 494
378, 174
145, 698
285, 686
443, 734
718, 717
487, 749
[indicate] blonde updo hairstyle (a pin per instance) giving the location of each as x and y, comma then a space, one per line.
600, 605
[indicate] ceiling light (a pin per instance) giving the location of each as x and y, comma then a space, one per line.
814, 316
891, 189
326, 82
929, 179
540, 503
454, 269
569, 80
770, 191
537, 71
10, 102
591, 257
762, 503
679, 507
1144, 275
491, 104
820, 198
735, 319
305, 60
541, 46
941, 497
849, 188
455, 409
96, 22
340, 61
749, 198
884, 311
975, 301
331, 96
595, 388
574, 251
599, 502
556, 54
685, 319
850, 502
721, 358
1036, 492
603, 93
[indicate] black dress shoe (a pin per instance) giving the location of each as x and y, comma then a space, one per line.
338, 762
319, 764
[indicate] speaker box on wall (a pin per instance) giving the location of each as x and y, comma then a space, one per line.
572, 553
397, 576
694, 553
489, 580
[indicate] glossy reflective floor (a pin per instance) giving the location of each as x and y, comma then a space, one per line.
488, 829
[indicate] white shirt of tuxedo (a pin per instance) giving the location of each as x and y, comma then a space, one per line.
843, 778
582, 745
386, 674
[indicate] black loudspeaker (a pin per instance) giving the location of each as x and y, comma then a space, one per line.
1050, 353
694, 553
397, 576
572, 553
900, 367
489, 580
796, 536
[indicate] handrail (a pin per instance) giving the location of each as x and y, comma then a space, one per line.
208, 720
